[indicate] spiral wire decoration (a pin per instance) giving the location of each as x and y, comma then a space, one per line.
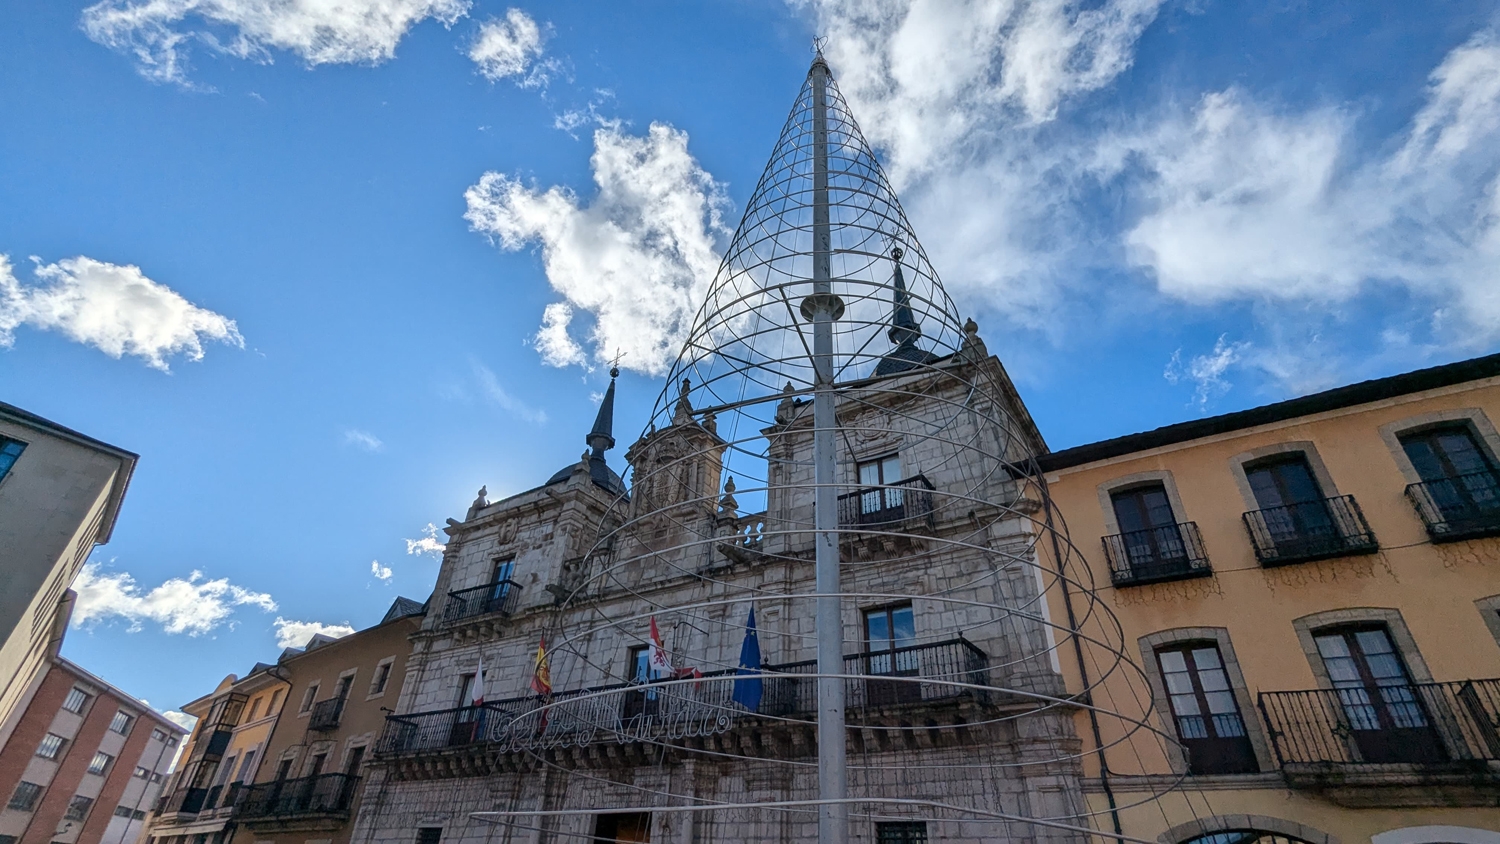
977, 678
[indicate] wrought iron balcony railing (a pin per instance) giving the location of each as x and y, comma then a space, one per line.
889, 506
326, 715
323, 795
1169, 552
1462, 507
502, 597
1423, 724
1310, 530
702, 706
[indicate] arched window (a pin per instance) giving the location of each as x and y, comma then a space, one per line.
1244, 836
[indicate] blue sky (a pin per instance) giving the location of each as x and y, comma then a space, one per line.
330, 275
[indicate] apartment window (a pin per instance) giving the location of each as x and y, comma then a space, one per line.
342, 690
429, 834
254, 709
171, 741
275, 699
9, 451
121, 722
1204, 709
501, 583
226, 769
1151, 545
901, 832
638, 663
1444, 453
880, 472
642, 701
246, 766
76, 700
155, 777
308, 697
355, 759
100, 763
138, 815
382, 677
316, 768
1459, 495
78, 808
51, 746
1384, 713
142, 773
24, 796
623, 826
890, 633
122, 811
158, 735
8, 839
1296, 520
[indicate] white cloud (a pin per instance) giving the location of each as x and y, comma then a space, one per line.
490, 387
295, 634
932, 83
193, 606
363, 439
1206, 372
638, 258
181, 719
428, 544
961, 100
1244, 202
511, 47
380, 572
111, 307
155, 33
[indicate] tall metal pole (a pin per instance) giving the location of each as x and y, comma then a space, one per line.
833, 778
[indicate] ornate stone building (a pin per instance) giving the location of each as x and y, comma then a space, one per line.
664, 710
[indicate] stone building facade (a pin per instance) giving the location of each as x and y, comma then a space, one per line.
586, 566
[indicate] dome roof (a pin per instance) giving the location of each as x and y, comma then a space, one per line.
599, 470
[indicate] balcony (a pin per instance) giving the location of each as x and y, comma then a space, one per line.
889, 683
1308, 531
1462, 507
1169, 552
306, 802
1400, 745
184, 801
500, 598
888, 507
326, 715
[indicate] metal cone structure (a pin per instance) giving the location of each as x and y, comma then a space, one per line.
835, 603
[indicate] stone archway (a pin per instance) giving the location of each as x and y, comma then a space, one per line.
1274, 830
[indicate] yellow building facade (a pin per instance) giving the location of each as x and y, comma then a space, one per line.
311, 783
1311, 590
220, 758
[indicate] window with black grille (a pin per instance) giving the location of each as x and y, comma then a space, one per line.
901, 832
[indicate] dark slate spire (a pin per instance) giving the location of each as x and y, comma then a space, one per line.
601, 438
905, 330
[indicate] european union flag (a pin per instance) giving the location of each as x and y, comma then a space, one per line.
747, 682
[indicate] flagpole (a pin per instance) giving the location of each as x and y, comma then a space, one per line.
822, 308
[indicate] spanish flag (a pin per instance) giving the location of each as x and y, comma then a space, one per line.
541, 675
